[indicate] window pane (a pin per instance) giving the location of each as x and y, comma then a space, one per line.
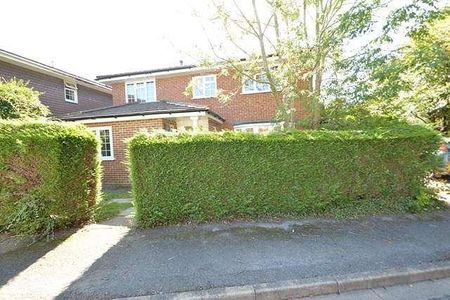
131, 96
106, 143
198, 87
262, 82
209, 79
249, 85
140, 92
151, 91
210, 89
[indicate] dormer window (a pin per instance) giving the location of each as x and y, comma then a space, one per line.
70, 92
143, 91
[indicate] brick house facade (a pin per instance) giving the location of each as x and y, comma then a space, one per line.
157, 100
52, 84
243, 108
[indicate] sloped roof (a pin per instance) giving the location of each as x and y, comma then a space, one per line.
139, 109
145, 72
22, 61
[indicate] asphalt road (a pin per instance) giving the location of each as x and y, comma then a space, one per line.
110, 262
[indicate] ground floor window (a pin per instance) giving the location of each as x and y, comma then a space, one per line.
255, 127
105, 136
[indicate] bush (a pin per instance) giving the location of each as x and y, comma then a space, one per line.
218, 176
49, 176
18, 101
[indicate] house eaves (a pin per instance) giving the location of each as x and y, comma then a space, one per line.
18, 60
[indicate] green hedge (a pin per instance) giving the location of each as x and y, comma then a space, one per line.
49, 176
223, 176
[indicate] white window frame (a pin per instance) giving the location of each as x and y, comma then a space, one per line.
134, 83
254, 126
69, 86
255, 83
196, 78
97, 130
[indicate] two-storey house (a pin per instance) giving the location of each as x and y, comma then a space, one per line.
61, 91
157, 99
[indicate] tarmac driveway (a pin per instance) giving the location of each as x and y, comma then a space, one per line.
110, 261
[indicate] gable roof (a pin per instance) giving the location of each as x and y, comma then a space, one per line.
139, 109
36, 66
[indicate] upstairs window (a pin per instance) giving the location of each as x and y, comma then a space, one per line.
106, 147
141, 91
260, 84
70, 92
205, 86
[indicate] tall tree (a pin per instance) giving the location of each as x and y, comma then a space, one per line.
286, 43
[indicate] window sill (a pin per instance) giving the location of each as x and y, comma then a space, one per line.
71, 102
257, 92
199, 98
107, 158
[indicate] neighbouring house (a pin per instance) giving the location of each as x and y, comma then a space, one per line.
61, 91
157, 99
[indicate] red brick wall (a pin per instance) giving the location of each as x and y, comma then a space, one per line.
115, 172
118, 93
251, 107
216, 126
241, 108
52, 90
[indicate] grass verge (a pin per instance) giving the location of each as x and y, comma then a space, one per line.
107, 209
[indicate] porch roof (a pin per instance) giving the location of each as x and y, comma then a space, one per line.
139, 109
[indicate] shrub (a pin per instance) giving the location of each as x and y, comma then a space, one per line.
49, 176
218, 176
18, 101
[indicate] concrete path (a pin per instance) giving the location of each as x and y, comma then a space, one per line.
108, 261
425, 290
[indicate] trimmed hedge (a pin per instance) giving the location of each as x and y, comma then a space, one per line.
49, 176
223, 176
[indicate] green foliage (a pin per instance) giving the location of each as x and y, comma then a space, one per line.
49, 176
424, 201
106, 210
410, 82
223, 176
18, 101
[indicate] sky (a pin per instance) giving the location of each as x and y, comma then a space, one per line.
97, 37
94, 37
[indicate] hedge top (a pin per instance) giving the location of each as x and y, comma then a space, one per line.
397, 132
44, 129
